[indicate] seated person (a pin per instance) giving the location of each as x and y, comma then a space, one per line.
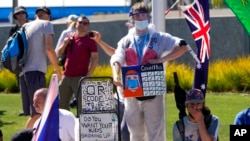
199, 124
66, 118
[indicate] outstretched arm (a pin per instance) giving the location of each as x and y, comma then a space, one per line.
107, 48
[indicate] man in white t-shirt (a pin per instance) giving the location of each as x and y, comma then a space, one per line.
67, 120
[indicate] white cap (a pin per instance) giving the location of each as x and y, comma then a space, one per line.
72, 18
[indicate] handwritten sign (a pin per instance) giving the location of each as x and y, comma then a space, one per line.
98, 127
97, 96
144, 80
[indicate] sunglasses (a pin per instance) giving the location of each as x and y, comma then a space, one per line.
84, 23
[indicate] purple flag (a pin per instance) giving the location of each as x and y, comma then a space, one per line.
197, 17
48, 128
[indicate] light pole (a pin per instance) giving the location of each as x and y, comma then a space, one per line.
158, 17
14, 4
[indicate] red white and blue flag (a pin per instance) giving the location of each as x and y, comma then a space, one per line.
48, 128
197, 17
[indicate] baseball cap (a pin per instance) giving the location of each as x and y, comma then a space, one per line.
45, 9
19, 9
72, 18
194, 96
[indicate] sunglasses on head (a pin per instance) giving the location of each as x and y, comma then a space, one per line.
84, 23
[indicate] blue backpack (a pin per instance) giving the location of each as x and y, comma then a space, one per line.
15, 51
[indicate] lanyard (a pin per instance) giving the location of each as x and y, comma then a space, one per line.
139, 49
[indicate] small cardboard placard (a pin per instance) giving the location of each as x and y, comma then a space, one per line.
144, 80
98, 127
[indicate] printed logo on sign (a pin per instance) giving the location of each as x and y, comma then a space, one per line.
239, 132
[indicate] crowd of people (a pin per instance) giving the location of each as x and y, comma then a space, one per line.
142, 118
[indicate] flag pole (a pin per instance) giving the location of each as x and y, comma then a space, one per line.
172, 6
193, 54
158, 21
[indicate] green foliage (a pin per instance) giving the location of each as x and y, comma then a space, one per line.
8, 82
224, 75
229, 75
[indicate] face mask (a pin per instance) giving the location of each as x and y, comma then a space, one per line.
140, 25
132, 83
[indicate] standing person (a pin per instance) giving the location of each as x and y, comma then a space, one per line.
66, 118
21, 16
243, 117
81, 60
110, 51
40, 43
71, 27
199, 124
144, 114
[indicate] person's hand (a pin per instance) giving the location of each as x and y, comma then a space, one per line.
66, 40
117, 80
97, 36
196, 113
59, 74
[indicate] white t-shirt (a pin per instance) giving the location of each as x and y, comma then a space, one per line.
192, 130
67, 123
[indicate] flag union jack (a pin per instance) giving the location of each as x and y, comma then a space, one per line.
200, 28
197, 17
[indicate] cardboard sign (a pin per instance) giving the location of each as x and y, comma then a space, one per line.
144, 80
98, 127
97, 96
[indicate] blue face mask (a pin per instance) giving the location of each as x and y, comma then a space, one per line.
132, 83
140, 25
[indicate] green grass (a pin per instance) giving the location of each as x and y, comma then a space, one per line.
225, 106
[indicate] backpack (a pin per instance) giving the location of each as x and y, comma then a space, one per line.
15, 51
181, 126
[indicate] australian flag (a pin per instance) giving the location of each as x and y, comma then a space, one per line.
197, 17
48, 128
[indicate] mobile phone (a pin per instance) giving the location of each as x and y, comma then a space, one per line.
91, 34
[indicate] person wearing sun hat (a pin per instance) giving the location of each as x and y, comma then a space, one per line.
199, 124
21, 16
